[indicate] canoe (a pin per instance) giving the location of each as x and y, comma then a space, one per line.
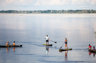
47, 44
93, 51
60, 50
4, 46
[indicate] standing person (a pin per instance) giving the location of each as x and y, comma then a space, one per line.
47, 39
14, 43
90, 47
66, 43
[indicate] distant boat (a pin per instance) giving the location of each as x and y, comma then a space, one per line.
93, 51
47, 44
60, 50
4, 46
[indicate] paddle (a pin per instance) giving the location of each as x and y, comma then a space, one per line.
53, 41
62, 45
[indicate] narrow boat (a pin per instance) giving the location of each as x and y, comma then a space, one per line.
47, 44
4, 46
93, 51
60, 50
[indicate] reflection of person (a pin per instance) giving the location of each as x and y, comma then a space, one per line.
47, 49
66, 52
14, 43
89, 53
90, 47
7, 50
93, 47
66, 43
47, 39
93, 54
14, 49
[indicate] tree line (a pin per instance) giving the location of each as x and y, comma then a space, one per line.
48, 11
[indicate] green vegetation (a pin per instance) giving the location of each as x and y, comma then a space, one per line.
48, 11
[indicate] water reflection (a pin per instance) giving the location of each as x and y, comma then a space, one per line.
66, 55
47, 49
8, 49
90, 53
14, 49
31, 28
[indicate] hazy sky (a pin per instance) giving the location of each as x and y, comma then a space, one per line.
46, 4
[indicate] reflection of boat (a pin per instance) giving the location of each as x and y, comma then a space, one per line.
60, 50
4, 46
47, 44
93, 51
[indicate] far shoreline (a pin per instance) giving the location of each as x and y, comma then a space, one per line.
47, 13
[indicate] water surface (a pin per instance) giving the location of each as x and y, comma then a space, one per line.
30, 30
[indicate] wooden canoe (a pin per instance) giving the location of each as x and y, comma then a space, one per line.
4, 46
60, 50
93, 51
47, 44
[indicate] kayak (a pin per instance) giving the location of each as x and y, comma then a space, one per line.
47, 44
4, 46
60, 50
93, 51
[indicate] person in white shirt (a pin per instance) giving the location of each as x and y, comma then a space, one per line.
47, 39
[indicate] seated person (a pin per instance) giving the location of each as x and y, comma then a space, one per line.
7, 43
14, 43
90, 47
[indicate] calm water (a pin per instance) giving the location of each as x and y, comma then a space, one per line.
30, 30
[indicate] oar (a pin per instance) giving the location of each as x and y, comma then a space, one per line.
53, 41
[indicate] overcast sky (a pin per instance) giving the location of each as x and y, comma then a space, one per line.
47, 4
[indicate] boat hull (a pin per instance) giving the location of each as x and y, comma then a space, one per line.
93, 51
47, 44
60, 50
4, 46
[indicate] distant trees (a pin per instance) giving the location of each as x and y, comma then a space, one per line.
49, 11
